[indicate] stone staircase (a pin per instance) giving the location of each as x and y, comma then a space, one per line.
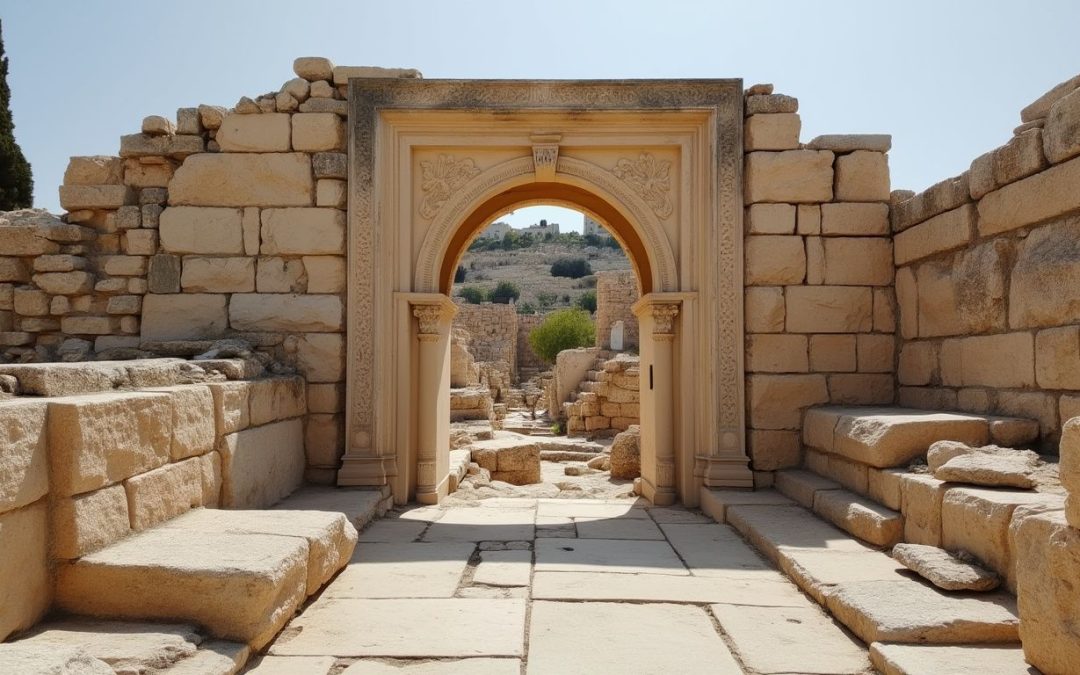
830, 524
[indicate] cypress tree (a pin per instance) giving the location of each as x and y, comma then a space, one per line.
16, 181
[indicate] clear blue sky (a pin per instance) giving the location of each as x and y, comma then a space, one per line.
946, 78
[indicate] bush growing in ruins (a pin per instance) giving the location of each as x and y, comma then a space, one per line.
573, 268
16, 180
587, 301
505, 292
563, 329
473, 295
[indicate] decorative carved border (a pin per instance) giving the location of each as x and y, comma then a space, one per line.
368, 97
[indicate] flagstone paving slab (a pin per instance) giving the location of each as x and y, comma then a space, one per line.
504, 568
717, 550
402, 571
664, 588
608, 555
618, 528
406, 628
292, 665
456, 667
482, 524
590, 509
393, 531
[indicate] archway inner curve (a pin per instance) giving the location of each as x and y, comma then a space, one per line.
561, 194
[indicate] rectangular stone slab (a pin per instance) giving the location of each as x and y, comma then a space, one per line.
950, 659
773, 591
403, 571
238, 586
608, 555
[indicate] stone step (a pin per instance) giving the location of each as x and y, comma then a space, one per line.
893, 437
858, 516
899, 659
801, 485
87, 377
865, 589
239, 574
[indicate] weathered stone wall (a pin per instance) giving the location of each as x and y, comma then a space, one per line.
988, 277
819, 300
609, 400
491, 334
616, 292
527, 360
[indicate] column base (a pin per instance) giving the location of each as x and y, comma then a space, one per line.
366, 471
431, 496
724, 472
657, 496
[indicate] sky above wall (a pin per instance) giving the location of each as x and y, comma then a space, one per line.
946, 79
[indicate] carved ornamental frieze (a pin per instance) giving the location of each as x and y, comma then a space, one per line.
650, 179
441, 178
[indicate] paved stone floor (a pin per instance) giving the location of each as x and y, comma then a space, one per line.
542, 586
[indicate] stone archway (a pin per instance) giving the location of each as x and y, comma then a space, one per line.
432, 161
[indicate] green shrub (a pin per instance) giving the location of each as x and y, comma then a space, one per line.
573, 268
587, 301
563, 329
505, 292
473, 295
525, 308
546, 299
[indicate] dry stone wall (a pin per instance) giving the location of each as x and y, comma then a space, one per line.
819, 310
527, 360
988, 276
490, 333
616, 292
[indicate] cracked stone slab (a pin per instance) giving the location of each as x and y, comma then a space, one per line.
123, 645
990, 470
395, 531
564, 638
943, 569
406, 628
607, 555
292, 665
717, 551
618, 528
482, 524
601, 586
459, 667
402, 571
504, 568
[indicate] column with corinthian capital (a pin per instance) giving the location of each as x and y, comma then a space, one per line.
432, 407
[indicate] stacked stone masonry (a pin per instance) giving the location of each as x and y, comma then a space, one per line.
819, 302
987, 272
616, 292
608, 400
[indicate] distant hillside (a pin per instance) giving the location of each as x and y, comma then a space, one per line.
529, 268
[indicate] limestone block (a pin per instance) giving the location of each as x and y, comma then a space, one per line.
1070, 406
330, 165
944, 232
276, 398
858, 261
193, 420
815, 261
1034, 199
30, 302
965, 295
922, 496
771, 450
792, 176
1020, 157
218, 275
626, 454
777, 401
854, 219
772, 260
907, 300
303, 231
314, 68
324, 440
186, 229
1041, 106
861, 389
176, 317
808, 219
318, 132
771, 104
283, 313
772, 353
976, 520
325, 274
1069, 451
254, 133
139, 175
918, 364
860, 517
832, 353
1035, 405
320, 357
65, 283
13, 269
250, 226
75, 197
124, 265
851, 142
88, 325
331, 192
876, 353
94, 170
1047, 569
231, 406
342, 74
24, 567
22, 657
1061, 134
1004, 360
764, 309
210, 468
770, 219
862, 176
1042, 292
163, 274
944, 570
991, 469
140, 243
145, 145
883, 486
325, 398
243, 179
771, 132
262, 465
279, 275
100, 439
829, 309
83, 524
23, 474
164, 493
1057, 358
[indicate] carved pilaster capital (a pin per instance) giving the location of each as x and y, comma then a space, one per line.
545, 160
663, 315
427, 317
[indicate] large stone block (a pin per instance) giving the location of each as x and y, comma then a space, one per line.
231, 406
303, 231
1057, 358
276, 398
164, 493
792, 176
324, 440
771, 132
1040, 107
855, 219
862, 176
829, 309
285, 313
242, 179
1020, 157
922, 496
775, 260
183, 316
218, 275
65, 283
777, 401
76, 197
776, 353
318, 132
770, 219
938, 198
771, 450
24, 477
1061, 133
1046, 275
24, 568
262, 465
965, 295
1045, 195
832, 353
325, 273
100, 439
94, 170
861, 388
187, 229
1047, 571
254, 133
1004, 360
918, 364
193, 420
83, 524
321, 357
1069, 451
858, 261
764, 309
944, 232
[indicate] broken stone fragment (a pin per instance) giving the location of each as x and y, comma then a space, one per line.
991, 470
943, 569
